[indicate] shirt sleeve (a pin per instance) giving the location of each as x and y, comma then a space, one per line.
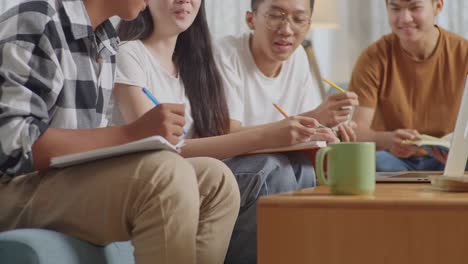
366, 78
130, 66
28, 74
233, 86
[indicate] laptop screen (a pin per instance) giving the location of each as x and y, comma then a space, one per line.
458, 154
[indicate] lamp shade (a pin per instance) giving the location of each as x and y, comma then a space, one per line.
325, 14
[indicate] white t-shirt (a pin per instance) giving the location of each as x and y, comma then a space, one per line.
250, 94
136, 66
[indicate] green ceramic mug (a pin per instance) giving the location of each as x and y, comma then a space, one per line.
350, 167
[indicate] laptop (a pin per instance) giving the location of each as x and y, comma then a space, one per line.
457, 156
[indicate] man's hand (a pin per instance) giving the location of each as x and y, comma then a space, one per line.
439, 155
166, 120
398, 148
346, 132
336, 108
295, 130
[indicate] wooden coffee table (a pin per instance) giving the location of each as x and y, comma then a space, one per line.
400, 223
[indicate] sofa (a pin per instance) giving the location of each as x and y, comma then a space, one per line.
37, 246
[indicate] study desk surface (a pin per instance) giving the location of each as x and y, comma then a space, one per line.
399, 223
390, 194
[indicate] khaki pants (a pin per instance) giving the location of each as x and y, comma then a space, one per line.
174, 210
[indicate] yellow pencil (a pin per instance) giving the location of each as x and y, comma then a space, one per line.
286, 115
332, 84
281, 110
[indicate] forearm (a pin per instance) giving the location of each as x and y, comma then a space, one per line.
57, 142
313, 114
225, 146
382, 139
245, 128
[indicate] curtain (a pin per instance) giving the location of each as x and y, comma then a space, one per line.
361, 23
226, 17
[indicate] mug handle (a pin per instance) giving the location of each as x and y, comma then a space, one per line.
319, 165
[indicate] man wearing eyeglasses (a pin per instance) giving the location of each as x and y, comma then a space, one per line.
269, 66
260, 68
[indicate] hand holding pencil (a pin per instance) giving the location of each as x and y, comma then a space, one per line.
336, 108
298, 129
334, 85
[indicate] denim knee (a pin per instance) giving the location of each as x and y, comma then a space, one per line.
385, 161
303, 169
262, 174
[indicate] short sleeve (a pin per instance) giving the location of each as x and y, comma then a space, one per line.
366, 77
130, 63
232, 84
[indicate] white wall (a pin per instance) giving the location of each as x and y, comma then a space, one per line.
226, 17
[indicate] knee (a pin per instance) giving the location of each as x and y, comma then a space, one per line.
262, 174
215, 178
278, 174
168, 176
385, 161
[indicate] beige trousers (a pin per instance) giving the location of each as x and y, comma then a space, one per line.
174, 210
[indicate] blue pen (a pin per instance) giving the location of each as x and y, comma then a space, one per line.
150, 96
154, 100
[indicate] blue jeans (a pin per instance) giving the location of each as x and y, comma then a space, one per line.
259, 175
385, 161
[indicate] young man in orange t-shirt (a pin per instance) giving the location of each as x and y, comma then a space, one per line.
409, 83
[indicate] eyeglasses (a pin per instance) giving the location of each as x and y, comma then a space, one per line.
275, 20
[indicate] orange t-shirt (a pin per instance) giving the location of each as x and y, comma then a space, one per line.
408, 94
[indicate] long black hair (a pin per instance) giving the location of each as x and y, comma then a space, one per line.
194, 58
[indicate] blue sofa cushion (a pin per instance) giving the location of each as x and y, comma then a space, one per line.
36, 246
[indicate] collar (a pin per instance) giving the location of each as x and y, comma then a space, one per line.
80, 25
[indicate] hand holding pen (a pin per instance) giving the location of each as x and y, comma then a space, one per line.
155, 101
166, 120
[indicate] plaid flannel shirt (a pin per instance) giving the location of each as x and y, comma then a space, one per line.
54, 72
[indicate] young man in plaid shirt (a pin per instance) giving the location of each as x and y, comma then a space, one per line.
57, 62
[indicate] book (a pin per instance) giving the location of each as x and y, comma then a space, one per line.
298, 147
427, 141
145, 144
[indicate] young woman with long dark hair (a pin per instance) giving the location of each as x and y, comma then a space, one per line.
168, 51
